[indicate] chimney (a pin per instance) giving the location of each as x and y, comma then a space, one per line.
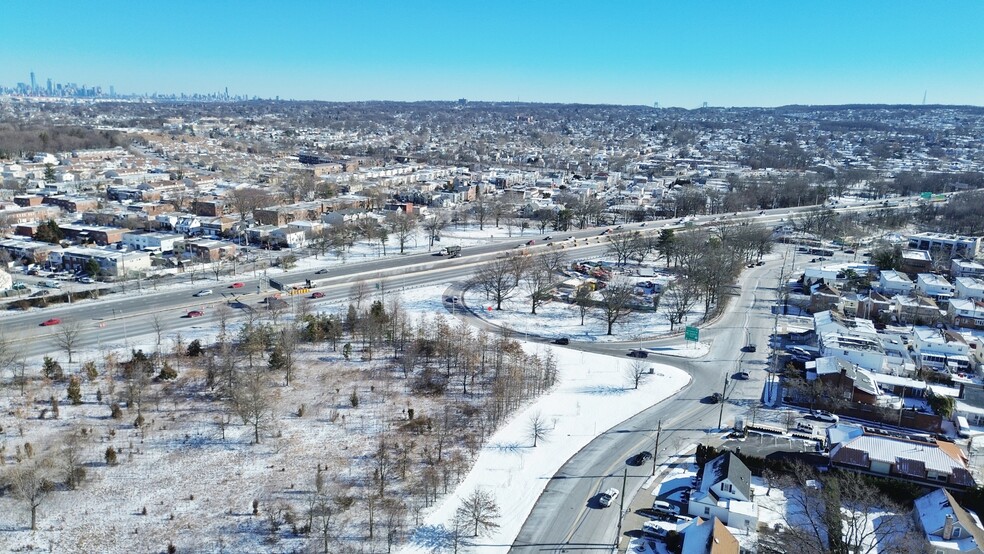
948, 527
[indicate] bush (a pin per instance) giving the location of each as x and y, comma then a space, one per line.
115, 411
354, 399
195, 348
90, 370
167, 372
52, 369
139, 422
75, 390
110, 456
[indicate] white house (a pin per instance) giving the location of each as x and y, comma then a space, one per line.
940, 350
892, 282
850, 339
935, 286
725, 492
964, 312
946, 526
969, 287
965, 268
151, 242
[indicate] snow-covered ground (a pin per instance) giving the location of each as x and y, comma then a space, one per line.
516, 472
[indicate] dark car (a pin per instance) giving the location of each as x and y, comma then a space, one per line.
562, 340
317, 295
640, 458
715, 398
741, 376
639, 354
196, 313
748, 348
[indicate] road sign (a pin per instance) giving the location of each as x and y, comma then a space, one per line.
691, 333
925, 195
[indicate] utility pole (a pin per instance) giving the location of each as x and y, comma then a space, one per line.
724, 397
621, 506
659, 428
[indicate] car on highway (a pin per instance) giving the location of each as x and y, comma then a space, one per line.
821, 415
204, 292
640, 458
606, 498
638, 354
530, 242
196, 313
237, 285
321, 272
562, 340
50, 322
86, 280
317, 295
741, 376
548, 237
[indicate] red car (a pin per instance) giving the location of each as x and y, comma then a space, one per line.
52, 321
196, 313
237, 285
317, 295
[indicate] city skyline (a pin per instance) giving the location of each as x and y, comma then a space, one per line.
724, 54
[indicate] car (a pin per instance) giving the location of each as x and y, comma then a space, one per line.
19, 286
451, 299
759, 263
715, 398
196, 313
638, 354
571, 238
665, 508
40, 293
321, 272
640, 458
317, 295
562, 340
643, 224
748, 348
606, 498
530, 242
654, 530
204, 292
87, 280
548, 237
619, 227
849, 251
741, 376
821, 415
237, 285
50, 322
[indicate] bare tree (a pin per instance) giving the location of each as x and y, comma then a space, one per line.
679, 300
554, 261
67, 338
434, 226
616, 302
622, 246
252, 401
481, 511
538, 284
358, 293
496, 279
537, 427
635, 371
30, 483
403, 226
582, 298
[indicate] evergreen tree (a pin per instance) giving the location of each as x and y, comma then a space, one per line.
75, 390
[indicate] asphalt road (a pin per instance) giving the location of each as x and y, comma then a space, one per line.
566, 517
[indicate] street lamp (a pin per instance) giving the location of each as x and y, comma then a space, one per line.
659, 429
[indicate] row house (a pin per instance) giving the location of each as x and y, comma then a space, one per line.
911, 310
216, 227
91, 234
73, 204
964, 312
966, 268
28, 200
28, 251
149, 208
282, 215
209, 250
969, 287
111, 262
31, 215
209, 208
892, 282
151, 242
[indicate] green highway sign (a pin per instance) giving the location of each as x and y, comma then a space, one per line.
691, 333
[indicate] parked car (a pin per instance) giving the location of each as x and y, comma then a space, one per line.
196, 313
562, 340
640, 458
822, 415
317, 295
19, 286
665, 508
606, 498
50, 322
204, 292
237, 285
639, 354
654, 530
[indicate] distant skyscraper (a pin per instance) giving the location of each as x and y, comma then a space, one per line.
34, 84
50, 89
112, 91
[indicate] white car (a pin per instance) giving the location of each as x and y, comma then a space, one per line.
204, 292
608, 497
824, 416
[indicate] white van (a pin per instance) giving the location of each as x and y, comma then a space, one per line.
963, 428
52, 284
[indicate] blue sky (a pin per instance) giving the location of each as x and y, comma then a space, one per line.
725, 53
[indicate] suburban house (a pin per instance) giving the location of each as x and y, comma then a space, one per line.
708, 536
894, 282
935, 287
725, 493
856, 384
908, 458
850, 339
969, 287
915, 310
152, 242
965, 268
940, 350
946, 526
964, 312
